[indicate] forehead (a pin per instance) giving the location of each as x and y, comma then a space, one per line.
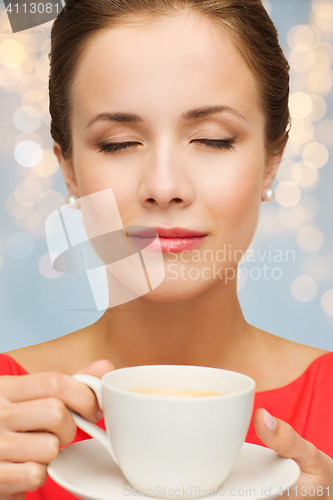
162, 67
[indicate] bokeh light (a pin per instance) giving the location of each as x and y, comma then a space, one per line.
324, 130
297, 82
296, 173
20, 246
315, 155
299, 61
301, 131
32, 188
8, 108
327, 302
317, 58
326, 48
316, 266
29, 64
310, 239
11, 78
46, 269
304, 288
42, 68
319, 81
24, 199
35, 225
50, 201
44, 110
28, 154
11, 53
285, 170
319, 108
324, 16
287, 194
269, 224
32, 89
27, 118
16, 209
293, 149
304, 175
291, 217
48, 164
303, 37
29, 136
310, 206
300, 105
45, 182
7, 140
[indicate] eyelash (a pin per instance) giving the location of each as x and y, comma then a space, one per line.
213, 143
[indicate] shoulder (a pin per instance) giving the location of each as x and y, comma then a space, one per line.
305, 355
285, 361
322, 367
293, 352
297, 358
66, 354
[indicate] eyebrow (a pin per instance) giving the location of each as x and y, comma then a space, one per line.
188, 115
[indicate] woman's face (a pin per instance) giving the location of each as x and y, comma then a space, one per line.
168, 176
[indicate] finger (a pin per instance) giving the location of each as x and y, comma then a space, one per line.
286, 442
71, 392
41, 447
18, 478
16, 496
49, 414
98, 368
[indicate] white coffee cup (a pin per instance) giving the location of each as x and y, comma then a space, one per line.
172, 447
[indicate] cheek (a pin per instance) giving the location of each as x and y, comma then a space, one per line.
234, 203
92, 180
238, 194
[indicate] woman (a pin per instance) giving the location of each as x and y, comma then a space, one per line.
181, 107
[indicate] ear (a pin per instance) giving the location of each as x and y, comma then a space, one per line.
67, 170
271, 168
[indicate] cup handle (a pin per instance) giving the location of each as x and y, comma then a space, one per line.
93, 430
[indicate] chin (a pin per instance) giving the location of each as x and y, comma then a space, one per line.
178, 290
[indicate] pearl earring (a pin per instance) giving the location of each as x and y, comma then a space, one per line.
268, 194
72, 201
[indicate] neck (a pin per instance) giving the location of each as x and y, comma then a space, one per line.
207, 330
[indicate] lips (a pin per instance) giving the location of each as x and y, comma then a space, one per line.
173, 232
174, 239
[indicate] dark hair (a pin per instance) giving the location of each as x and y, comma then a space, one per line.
245, 20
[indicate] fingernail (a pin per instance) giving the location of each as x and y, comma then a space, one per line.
99, 414
270, 421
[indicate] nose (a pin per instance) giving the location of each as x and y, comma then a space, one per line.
165, 181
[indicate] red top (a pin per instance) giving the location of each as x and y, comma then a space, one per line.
306, 404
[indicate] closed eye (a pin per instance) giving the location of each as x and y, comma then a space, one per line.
216, 143
116, 146
212, 143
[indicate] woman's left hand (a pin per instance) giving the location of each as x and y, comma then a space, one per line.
316, 479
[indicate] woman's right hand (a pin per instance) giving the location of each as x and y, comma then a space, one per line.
35, 421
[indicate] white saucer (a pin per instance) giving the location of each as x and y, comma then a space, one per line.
88, 471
